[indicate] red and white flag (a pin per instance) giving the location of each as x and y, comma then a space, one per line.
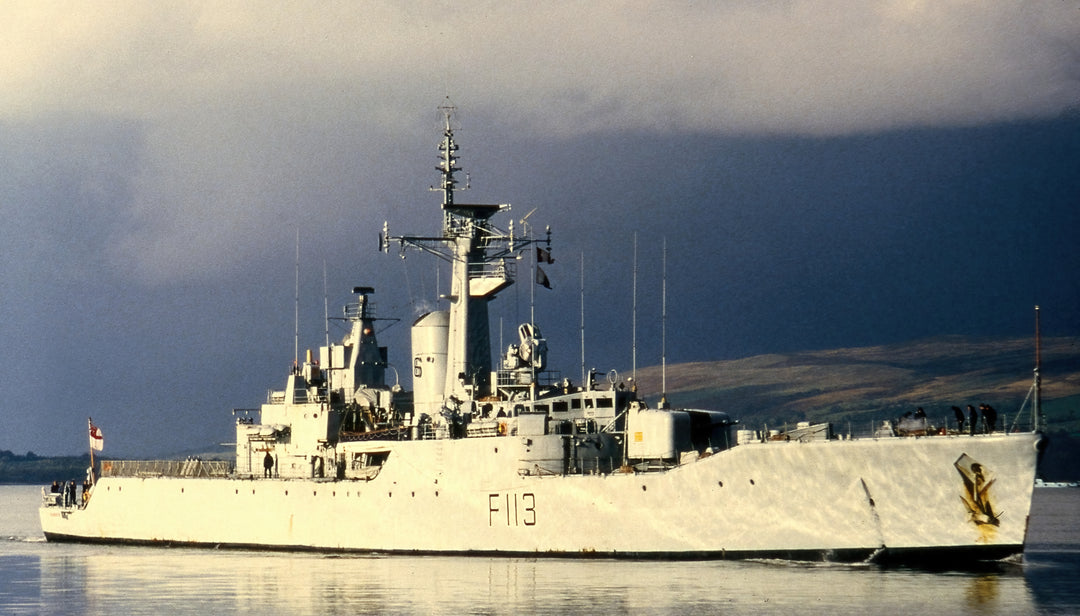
97, 441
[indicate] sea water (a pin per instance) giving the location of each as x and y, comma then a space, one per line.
37, 577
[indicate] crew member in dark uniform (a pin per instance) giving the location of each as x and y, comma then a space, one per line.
268, 465
989, 417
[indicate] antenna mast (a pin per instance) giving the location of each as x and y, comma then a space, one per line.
663, 331
296, 305
534, 276
448, 164
582, 277
1036, 406
633, 326
325, 305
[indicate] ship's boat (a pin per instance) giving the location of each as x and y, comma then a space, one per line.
505, 457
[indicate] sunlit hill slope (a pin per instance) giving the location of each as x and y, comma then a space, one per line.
856, 388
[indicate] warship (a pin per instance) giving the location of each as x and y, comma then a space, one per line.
501, 456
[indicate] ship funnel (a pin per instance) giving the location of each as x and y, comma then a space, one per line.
430, 337
368, 360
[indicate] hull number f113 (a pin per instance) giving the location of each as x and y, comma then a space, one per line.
513, 509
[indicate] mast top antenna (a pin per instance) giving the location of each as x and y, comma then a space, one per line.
448, 109
448, 157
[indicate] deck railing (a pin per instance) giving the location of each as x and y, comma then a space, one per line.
165, 468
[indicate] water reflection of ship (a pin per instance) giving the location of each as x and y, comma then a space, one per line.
178, 581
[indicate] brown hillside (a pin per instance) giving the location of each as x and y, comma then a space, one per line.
870, 383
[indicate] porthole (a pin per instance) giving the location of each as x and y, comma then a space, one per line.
720, 483
751, 482
642, 488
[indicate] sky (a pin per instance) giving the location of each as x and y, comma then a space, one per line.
822, 174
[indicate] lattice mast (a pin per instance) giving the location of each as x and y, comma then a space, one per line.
482, 259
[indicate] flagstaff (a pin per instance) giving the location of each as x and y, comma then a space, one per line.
97, 443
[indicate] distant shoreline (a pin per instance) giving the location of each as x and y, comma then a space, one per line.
31, 469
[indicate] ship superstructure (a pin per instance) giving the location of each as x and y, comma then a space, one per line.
505, 457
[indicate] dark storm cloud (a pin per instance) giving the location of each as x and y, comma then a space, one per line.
825, 174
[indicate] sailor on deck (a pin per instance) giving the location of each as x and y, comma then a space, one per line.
268, 465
